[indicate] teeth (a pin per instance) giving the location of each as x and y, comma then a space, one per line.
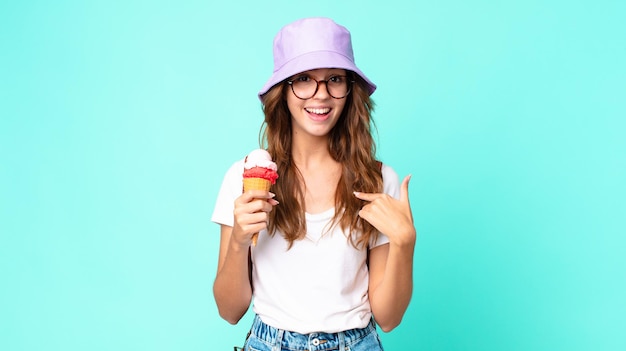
319, 111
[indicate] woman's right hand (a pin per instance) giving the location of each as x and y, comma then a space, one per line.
251, 213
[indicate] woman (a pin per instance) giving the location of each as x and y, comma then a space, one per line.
335, 256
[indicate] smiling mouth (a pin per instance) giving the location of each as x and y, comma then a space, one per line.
318, 111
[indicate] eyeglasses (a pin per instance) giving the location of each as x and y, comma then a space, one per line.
305, 87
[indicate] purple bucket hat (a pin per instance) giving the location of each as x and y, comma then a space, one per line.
312, 43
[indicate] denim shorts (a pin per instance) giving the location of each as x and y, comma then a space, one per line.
265, 338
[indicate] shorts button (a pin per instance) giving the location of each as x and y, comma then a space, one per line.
315, 342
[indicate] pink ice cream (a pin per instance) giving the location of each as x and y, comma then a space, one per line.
259, 164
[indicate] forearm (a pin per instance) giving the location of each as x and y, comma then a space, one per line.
390, 298
232, 288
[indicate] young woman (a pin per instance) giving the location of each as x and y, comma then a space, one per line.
336, 238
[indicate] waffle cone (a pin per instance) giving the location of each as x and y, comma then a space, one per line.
256, 184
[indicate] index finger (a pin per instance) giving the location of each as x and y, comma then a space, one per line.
257, 194
367, 196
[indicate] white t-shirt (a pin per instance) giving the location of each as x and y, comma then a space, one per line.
321, 283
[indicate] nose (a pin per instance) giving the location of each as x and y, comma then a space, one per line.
324, 92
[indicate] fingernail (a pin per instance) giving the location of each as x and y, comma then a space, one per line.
272, 194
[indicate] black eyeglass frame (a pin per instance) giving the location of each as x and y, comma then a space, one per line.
317, 87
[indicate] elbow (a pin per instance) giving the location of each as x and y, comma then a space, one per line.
231, 318
229, 309
231, 314
390, 325
387, 318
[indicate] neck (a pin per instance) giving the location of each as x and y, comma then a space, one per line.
310, 152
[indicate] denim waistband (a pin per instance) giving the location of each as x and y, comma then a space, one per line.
312, 342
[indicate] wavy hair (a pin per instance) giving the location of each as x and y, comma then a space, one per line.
350, 143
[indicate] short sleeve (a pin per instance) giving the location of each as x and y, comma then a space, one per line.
391, 186
391, 182
229, 191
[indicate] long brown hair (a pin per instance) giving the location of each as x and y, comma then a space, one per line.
350, 143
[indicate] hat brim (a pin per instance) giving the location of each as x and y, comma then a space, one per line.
314, 60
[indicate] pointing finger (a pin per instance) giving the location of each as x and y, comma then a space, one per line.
367, 196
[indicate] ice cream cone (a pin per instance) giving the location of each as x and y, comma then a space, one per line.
256, 184
259, 173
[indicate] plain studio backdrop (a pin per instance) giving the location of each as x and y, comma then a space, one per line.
118, 120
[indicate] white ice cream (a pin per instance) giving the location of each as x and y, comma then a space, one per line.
260, 158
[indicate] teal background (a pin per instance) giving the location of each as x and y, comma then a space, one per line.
119, 118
